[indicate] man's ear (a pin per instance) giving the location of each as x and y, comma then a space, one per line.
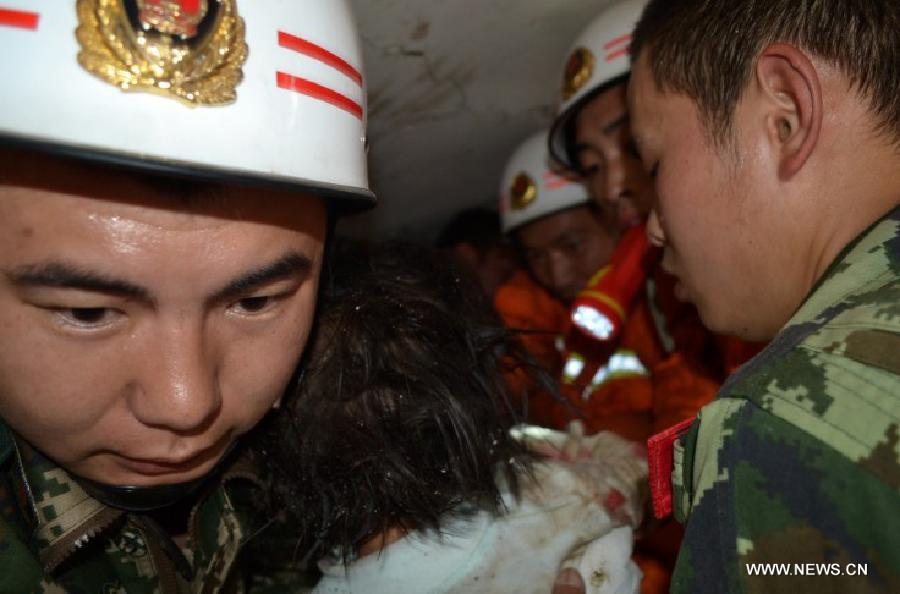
790, 83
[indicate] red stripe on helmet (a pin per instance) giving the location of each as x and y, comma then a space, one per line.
307, 48
19, 19
555, 185
555, 181
617, 41
317, 91
618, 53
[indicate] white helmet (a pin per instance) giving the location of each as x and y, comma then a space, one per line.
531, 189
599, 58
256, 90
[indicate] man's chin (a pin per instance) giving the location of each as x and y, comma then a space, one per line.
136, 472
730, 325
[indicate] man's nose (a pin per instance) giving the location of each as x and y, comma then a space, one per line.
613, 180
561, 272
177, 388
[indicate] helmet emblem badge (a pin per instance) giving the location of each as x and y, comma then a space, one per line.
522, 192
190, 50
579, 69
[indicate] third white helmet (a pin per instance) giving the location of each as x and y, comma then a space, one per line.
599, 58
531, 189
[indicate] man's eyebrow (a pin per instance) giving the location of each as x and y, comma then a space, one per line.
288, 265
616, 124
63, 275
608, 129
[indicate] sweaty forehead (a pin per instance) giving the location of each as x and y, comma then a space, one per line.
170, 253
54, 186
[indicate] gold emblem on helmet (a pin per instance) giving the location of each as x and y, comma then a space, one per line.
192, 50
578, 72
522, 192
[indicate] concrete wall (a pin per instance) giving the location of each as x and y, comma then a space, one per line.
454, 87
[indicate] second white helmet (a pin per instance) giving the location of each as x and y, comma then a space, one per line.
599, 58
531, 189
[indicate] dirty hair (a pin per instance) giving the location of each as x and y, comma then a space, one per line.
707, 49
400, 418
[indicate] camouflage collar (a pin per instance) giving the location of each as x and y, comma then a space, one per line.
63, 516
868, 256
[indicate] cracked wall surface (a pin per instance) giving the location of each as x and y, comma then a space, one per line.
454, 86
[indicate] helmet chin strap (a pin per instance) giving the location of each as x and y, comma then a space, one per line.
137, 499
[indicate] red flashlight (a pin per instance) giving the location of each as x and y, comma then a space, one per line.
601, 307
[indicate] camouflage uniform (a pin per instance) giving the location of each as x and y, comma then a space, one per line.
798, 459
54, 539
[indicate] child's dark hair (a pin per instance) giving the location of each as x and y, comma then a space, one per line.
400, 417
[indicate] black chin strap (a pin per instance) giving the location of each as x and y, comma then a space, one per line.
144, 499
139, 499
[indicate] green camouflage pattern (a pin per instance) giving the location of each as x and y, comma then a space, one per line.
55, 539
798, 459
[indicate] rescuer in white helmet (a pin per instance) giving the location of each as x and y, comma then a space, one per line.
564, 238
590, 134
591, 137
168, 174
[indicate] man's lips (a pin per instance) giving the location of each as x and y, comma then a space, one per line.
158, 466
149, 467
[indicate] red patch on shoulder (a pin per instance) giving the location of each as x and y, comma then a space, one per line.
660, 460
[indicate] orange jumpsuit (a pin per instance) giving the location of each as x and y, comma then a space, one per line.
672, 387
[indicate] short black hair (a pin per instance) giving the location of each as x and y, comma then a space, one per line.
478, 227
400, 418
706, 49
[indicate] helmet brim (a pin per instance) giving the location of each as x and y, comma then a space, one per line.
342, 200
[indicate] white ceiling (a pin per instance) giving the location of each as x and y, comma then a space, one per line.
454, 87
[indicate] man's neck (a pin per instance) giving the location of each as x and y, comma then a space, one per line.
855, 184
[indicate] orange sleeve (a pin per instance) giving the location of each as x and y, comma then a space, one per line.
525, 306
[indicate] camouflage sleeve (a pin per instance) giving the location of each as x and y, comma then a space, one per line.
762, 491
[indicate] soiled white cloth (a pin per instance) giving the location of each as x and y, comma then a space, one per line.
581, 512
